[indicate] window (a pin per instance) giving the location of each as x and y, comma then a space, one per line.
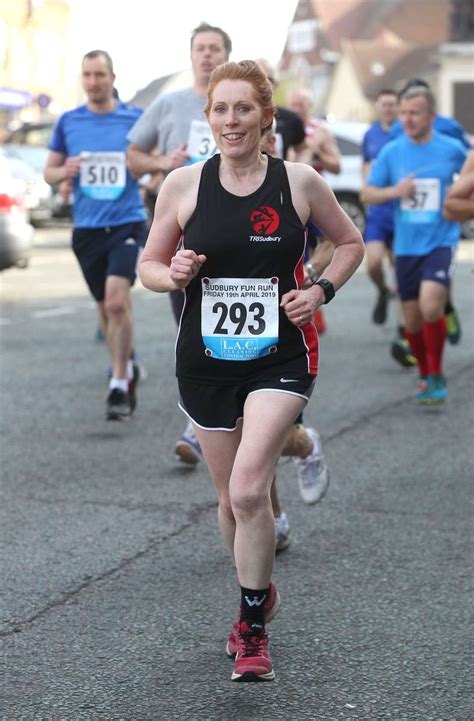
302, 36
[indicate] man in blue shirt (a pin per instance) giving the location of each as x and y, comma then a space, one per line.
88, 149
378, 233
415, 171
379, 218
450, 127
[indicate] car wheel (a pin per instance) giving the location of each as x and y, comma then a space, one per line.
354, 209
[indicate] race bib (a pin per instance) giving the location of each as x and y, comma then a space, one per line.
201, 144
239, 317
103, 175
425, 203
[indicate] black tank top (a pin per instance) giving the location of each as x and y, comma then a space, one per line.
232, 325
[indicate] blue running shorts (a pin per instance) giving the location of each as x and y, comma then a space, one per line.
412, 270
108, 251
379, 227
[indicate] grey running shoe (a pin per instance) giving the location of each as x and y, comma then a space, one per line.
118, 406
313, 473
282, 532
187, 448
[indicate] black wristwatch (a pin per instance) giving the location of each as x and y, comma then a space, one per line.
327, 287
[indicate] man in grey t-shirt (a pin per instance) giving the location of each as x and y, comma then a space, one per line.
159, 140
166, 125
172, 132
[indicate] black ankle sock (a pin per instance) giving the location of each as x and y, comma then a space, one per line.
252, 605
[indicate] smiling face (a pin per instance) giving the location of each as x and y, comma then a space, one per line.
236, 118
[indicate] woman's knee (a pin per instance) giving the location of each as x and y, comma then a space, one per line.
249, 499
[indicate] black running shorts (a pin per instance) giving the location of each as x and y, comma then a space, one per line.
108, 251
218, 407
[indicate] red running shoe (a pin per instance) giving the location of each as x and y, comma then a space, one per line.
252, 662
272, 606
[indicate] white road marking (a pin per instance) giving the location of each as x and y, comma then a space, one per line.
52, 312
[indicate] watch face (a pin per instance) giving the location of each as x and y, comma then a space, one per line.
328, 288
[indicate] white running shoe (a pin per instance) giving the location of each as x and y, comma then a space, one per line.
313, 473
282, 532
187, 448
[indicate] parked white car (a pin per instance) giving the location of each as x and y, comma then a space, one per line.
348, 183
16, 234
26, 166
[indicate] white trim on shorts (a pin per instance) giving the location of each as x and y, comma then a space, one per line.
205, 428
259, 390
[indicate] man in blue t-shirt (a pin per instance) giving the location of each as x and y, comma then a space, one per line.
453, 129
379, 218
415, 171
88, 150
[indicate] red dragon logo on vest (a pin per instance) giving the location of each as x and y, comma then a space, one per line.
265, 220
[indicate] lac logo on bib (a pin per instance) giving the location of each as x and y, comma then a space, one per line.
265, 220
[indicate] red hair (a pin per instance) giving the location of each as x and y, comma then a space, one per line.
250, 72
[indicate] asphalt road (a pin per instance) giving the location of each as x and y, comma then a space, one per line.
116, 593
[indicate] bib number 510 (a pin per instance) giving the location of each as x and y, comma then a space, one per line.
102, 174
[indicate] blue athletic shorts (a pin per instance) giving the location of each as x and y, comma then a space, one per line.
379, 227
218, 407
314, 234
108, 251
412, 270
